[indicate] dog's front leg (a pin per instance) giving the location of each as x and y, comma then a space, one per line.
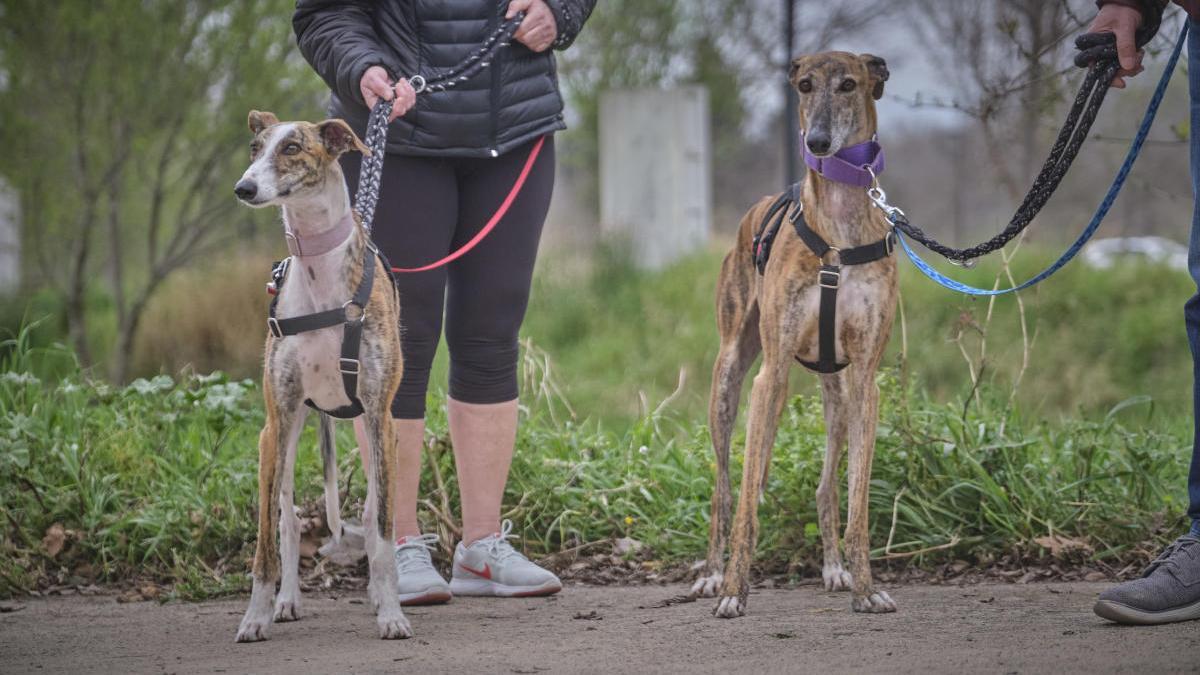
732, 362
766, 404
287, 603
380, 511
838, 411
273, 443
862, 451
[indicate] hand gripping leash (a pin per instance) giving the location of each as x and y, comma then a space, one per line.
1064, 151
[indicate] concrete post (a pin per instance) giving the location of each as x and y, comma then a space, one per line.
656, 172
10, 242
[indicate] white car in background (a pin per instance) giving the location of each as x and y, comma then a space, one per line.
1105, 253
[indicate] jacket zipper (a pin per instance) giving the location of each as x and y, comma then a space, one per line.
495, 96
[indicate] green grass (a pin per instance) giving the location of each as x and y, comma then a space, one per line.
158, 479
620, 336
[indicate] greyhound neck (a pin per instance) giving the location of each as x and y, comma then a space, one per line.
318, 282
840, 212
322, 212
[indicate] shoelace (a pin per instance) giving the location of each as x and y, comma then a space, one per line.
414, 552
1167, 558
498, 546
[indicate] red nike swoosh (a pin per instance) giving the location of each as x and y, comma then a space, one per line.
486, 572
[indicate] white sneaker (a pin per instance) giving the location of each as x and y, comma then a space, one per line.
491, 566
419, 583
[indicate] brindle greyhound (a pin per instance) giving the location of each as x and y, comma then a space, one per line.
777, 313
294, 165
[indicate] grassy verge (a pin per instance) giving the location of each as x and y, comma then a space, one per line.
158, 478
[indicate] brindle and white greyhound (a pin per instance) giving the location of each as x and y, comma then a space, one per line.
294, 165
776, 313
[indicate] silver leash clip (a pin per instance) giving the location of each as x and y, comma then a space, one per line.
879, 198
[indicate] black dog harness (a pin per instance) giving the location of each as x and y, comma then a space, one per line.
829, 277
350, 316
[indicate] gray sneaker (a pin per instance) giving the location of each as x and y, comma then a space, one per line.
418, 581
1168, 591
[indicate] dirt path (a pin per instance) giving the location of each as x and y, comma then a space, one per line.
987, 628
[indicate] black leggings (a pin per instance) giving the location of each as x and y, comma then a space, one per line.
430, 206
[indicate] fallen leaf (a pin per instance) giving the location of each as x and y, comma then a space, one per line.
1058, 544
309, 545
54, 540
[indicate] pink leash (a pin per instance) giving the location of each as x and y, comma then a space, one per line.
491, 225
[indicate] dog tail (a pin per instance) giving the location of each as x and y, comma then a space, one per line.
333, 514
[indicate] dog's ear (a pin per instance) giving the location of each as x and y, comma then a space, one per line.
261, 120
878, 71
794, 69
339, 138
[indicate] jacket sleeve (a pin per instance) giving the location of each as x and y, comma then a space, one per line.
570, 15
1151, 10
338, 39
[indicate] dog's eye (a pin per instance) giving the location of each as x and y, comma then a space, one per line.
291, 149
255, 148
847, 85
805, 86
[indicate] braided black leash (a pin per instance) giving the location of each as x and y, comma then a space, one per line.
1099, 54
371, 174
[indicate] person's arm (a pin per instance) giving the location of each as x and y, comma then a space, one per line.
570, 16
338, 39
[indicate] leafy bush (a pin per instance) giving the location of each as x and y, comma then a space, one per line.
158, 478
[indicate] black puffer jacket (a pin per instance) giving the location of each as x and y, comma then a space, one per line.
508, 104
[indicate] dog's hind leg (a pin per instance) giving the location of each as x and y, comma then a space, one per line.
738, 322
766, 405
333, 505
380, 512
287, 603
837, 413
272, 452
864, 416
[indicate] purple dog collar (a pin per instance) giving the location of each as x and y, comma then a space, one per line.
855, 165
320, 243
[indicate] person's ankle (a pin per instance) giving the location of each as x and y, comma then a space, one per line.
475, 533
405, 532
1195, 531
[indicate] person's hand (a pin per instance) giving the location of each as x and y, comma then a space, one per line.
376, 85
1122, 22
539, 29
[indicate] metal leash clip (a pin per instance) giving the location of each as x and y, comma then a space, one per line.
879, 198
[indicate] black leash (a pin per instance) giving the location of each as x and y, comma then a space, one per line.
352, 315
1098, 54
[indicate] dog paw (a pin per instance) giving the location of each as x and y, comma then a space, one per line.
252, 630
393, 626
836, 578
877, 602
287, 610
707, 586
729, 607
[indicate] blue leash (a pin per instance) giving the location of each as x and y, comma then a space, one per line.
1134, 150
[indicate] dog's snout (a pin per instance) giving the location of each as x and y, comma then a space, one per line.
818, 142
246, 189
